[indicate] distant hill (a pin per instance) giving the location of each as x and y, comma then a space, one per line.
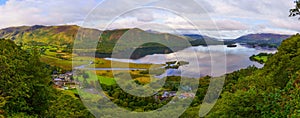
205, 40
263, 39
42, 35
66, 34
198, 36
158, 43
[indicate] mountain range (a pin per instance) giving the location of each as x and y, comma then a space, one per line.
66, 34
262, 39
58, 35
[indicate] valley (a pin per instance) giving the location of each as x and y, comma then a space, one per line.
149, 59
150, 63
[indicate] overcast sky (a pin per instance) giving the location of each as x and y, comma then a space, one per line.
232, 18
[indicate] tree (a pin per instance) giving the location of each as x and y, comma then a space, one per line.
295, 11
2, 104
272, 91
66, 106
26, 89
85, 82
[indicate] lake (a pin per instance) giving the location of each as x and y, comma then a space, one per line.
213, 60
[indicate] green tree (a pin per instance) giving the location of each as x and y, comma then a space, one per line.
272, 91
26, 89
295, 11
2, 104
67, 106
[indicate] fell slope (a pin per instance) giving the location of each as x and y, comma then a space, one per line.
263, 38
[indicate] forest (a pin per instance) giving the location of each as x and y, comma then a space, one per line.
27, 89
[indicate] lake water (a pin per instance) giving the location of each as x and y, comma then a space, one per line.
214, 60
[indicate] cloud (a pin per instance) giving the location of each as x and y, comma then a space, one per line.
292, 24
228, 17
230, 25
31, 12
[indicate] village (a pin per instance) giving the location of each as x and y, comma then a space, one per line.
64, 81
164, 95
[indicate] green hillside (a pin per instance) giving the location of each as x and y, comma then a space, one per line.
62, 37
273, 91
26, 89
41, 35
123, 41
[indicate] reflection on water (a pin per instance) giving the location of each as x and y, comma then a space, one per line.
208, 60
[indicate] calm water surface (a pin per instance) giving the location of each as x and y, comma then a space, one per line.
212, 60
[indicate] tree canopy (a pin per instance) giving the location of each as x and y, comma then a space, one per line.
295, 11
26, 89
272, 91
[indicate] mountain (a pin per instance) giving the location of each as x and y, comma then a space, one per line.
198, 36
42, 35
206, 40
263, 39
66, 34
134, 39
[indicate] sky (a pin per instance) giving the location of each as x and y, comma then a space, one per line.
217, 18
2, 2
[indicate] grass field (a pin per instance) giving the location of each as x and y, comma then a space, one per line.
64, 64
107, 77
98, 63
106, 80
259, 58
92, 76
67, 61
102, 63
55, 56
262, 58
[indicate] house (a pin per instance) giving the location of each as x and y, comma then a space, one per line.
69, 74
64, 81
61, 76
164, 95
172, 93
58, 82
167, 94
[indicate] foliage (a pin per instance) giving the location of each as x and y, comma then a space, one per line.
261, 57
106, 80
2, 104
41, 35
27, 89
272, 91
295, 11
65, 105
